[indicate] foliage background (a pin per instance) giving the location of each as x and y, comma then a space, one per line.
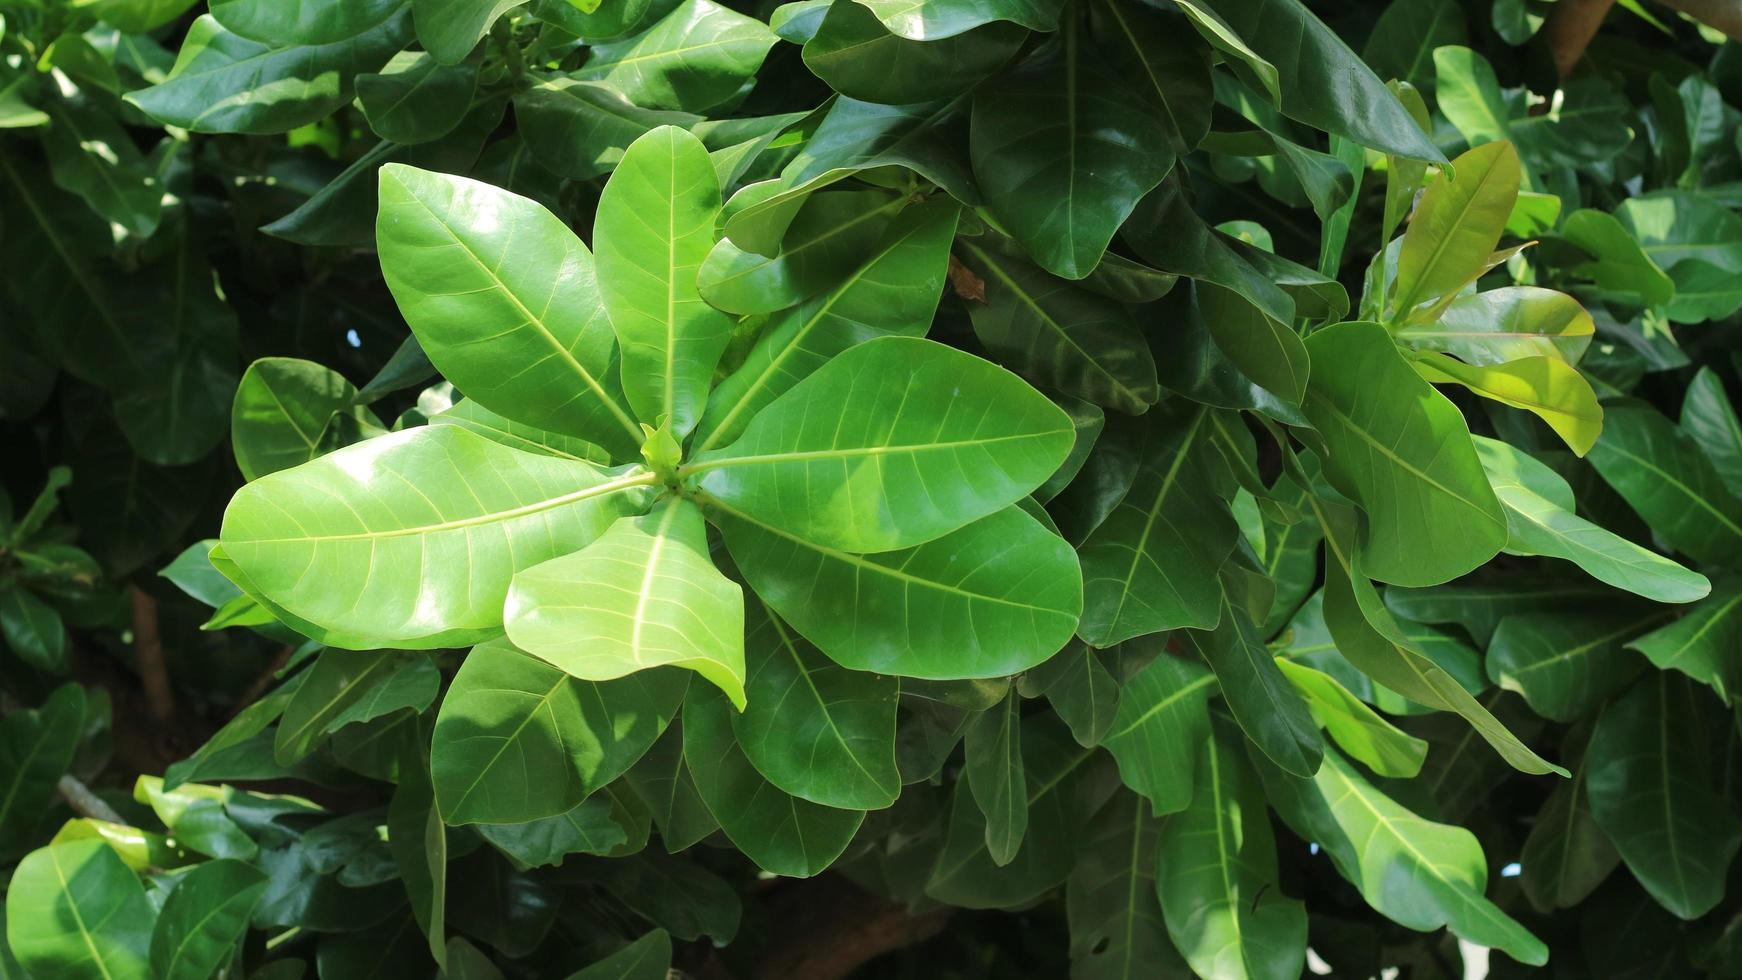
156, 244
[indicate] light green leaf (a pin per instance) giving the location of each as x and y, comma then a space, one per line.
225, 83
1618, 265
74, 910
694, 58
1058, 334
1163, 715
329, 541
1652, 793
987, 600
1506, 324
1702, 644
1662, 474
654, 228
933, 19
288, 411
893, 292
203, 919
475, 418
1403, 452
645, 594
505, 302
1545, 386
1540, 521
1456, 226
580, 129
891, 444
1218, 881
992, 753
1362, 733
782, 834
813, 728
519, 740
1566, 665
1063, 149
1420, 874
449, 29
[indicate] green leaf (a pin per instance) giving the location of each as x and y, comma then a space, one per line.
828, 238
1565, 665
1506, 324
1405, 35
654, 229
288, 411
1171, 71
505, 302
645, 594
1362, 733
1366, 633
814, 729
338, 680
1063, 149
782, 834
1618, 264
1566, 855
1218, 882
1420, 874
464, 962
647, 958
415, 98
1151, 564
74, 910
1403, 452
1115, 919
449, 29
1058, 334
992, 752
608, 823
94, 158
320, 539
1081, 689
1456, 226
664, 785
1163, 716
892, 443
1540, 521
1271, 712
694, 58
1321, 82
317, 22
987, 600
225, 83
1662, 474
580, 129
1545, 386
894, 291
33, 630
858, 57
419, 841
1652, 793
475, 418
935, 19
203, 919
1062, 796
1675, 226
36, 749
1702, 643
519, 740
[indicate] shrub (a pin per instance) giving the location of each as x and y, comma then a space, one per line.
965, 489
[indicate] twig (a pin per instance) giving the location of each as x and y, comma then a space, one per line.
86, 803
148, 653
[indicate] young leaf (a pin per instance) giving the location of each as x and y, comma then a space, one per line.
1456, 226
465, 511
1651, 791
1506, 324
987, 600
1403, 452
519, 740
813, 728
1548, 387
891, 444
1163, 715
1218, 882
506, 303
782, 834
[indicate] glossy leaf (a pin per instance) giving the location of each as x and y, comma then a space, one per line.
814, 729
413, 98
832, 232
1506, 324
644, 594
1456, 225
519, 740
288, 411
694, 58
449, 29
1547, 387
1403, 452
945, 18
284, 25
580, 129
506, 303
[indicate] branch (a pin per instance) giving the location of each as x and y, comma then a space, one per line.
1722, 15
838, 927
1569, 29
148, 653
86, 803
